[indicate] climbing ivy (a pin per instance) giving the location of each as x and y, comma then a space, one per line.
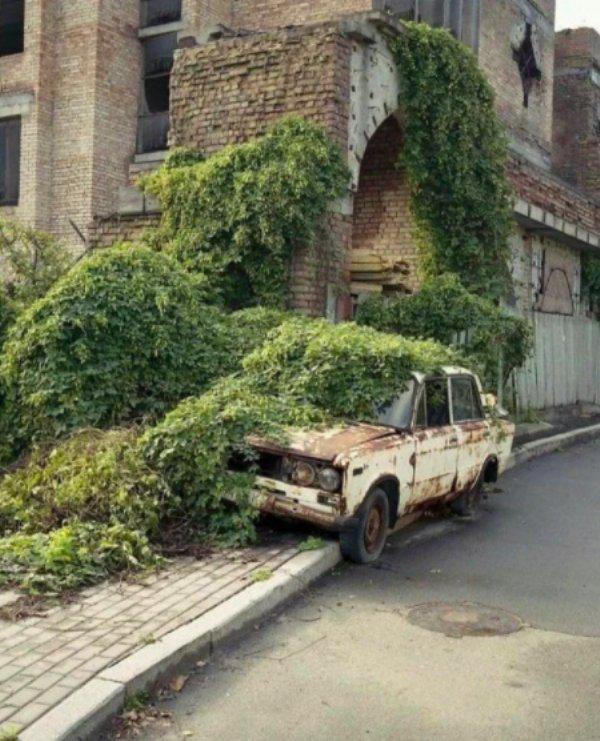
239, 215
455, 155
590, 281
445, 311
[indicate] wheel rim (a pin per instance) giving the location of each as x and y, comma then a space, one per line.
373, 529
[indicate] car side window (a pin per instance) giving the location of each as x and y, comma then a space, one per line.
466, 402
437, 402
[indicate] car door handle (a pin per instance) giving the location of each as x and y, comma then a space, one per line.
452, 441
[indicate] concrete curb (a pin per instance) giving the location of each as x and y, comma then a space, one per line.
85, 711
537, 448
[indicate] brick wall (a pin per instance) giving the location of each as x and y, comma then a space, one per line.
230, 91
108, 230
265, 14
531, 126
549, 192
382, 221
577, 108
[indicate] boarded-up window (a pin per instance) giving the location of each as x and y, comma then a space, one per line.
10, 161
12, 31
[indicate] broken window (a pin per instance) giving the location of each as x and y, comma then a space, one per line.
158, 12
461, 17
10, 161
158, 63
525, 56
12, 26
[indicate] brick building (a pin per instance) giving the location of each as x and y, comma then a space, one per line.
91, 94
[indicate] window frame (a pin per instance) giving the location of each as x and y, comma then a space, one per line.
477, 398
12, 199
423, 393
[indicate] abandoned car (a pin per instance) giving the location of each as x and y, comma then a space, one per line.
435, 443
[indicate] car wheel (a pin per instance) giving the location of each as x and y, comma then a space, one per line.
468, 502
365, 542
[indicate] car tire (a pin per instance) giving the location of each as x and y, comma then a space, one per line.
468, 502
365, 542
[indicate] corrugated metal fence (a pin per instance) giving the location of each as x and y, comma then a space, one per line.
565, 368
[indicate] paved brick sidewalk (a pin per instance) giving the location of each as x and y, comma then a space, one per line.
44, 659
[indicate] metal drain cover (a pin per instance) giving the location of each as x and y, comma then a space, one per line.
458, 619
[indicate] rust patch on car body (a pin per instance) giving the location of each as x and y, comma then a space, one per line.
325, 445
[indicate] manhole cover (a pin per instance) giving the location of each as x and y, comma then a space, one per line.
458, 619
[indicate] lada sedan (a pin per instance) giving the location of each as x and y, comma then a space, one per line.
437, 443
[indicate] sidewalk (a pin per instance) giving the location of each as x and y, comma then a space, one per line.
65, 672
44, 659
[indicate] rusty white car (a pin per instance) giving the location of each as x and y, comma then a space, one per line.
436, 443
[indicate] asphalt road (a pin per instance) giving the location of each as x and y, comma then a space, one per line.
350, 659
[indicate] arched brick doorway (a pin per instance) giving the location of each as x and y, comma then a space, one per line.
384, 254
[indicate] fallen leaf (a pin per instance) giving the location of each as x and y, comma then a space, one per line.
178, 682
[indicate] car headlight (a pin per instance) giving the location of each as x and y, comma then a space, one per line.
329, 479
304, 474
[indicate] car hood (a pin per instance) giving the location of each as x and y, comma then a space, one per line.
323, 445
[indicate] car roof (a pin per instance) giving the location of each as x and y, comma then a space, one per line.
447, 370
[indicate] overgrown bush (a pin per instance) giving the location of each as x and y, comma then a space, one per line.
455, 154
249, 328
344, 369
72, 556
91, 476
30, 262
124, 334
445, 311
239, 215
306, 374
590, 281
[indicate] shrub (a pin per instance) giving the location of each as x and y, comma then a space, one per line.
307, 373
31, 262
344, 369
91, 476
442, 311
72, 556
123, 334
249, 328
239, 215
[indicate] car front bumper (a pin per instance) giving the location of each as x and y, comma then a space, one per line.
300, 503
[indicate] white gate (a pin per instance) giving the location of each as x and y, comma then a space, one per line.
565, 366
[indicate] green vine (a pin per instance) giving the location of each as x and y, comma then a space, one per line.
239, 215
590, 281
455, 155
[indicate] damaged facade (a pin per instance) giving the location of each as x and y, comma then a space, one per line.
100, 90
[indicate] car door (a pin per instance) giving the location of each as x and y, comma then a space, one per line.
472, 428
436, 451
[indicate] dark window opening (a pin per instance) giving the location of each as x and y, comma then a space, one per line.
10, 161
528, 66
460, 17
158, 12
154, 118
12, 26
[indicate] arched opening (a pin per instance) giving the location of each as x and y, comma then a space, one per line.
384, 253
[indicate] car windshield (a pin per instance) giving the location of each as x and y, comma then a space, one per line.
399, 413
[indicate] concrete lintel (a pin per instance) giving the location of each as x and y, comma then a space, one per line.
538, 221
15, 104
174, 27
